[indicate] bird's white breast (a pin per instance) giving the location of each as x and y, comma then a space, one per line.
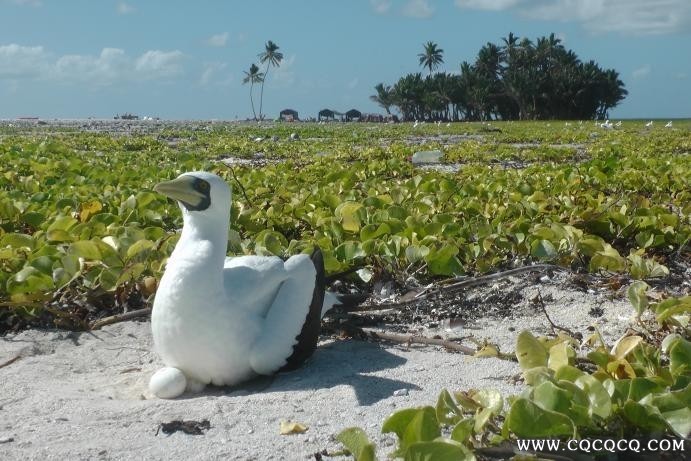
195, 327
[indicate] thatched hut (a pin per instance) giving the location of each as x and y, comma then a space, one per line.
352, 115
326, 114
288, 115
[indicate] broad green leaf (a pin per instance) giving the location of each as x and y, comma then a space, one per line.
444, 261
86, 249
349, 251
62, 223
372, 231
488, 398
527, 420
673, 308
637, 296
441, 450
463, 430
447, 411
645, 417
413, 425
16, 240
552, 397
543, 249
680, 357
348, 212
139, 247
530, 352
608, 259
34, 219
59, 235
29, 280
561, 354
398, 421
356, 442
568, 373
600, 401
415, 253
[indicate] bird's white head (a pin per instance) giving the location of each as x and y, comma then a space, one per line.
199, 194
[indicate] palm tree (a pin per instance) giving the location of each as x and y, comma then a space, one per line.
252, 77
431, 57
272, 57
384, 97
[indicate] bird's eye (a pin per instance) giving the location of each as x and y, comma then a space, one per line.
203, 186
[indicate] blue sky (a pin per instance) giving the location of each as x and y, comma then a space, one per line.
181, 59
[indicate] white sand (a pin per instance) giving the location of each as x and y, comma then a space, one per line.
84, 395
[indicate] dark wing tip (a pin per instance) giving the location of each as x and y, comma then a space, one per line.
309, 335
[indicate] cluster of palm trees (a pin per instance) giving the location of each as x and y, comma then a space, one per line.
272, 57
517, 80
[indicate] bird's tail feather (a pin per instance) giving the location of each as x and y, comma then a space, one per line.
345, 303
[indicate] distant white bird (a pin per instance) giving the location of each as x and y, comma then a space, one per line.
224, 320
415, 124
618, 124
607, 125
669, 124
448, 124
649, 124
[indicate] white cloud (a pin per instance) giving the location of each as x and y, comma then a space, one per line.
418, 9
214, 73
104, 69
381, 6
25, 62
33, 3
156, 64
124, 8
218, 39
641, 72
491, 5
635, 17
111, 66
283, 76
353, 83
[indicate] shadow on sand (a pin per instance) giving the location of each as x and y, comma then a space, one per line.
347, 362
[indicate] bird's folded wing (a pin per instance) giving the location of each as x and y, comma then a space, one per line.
285, 317
252, 282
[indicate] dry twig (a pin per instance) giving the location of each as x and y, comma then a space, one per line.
10, 361
96, 324
408, 339
541, 303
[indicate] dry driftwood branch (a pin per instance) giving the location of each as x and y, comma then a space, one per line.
469, 283
10, 361
407, 339
96, 324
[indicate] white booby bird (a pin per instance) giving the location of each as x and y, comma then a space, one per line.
224, 320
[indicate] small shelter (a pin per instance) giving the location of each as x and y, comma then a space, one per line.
353, 115
288, 115
328, 114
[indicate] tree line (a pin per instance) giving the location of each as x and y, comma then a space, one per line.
516, 80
